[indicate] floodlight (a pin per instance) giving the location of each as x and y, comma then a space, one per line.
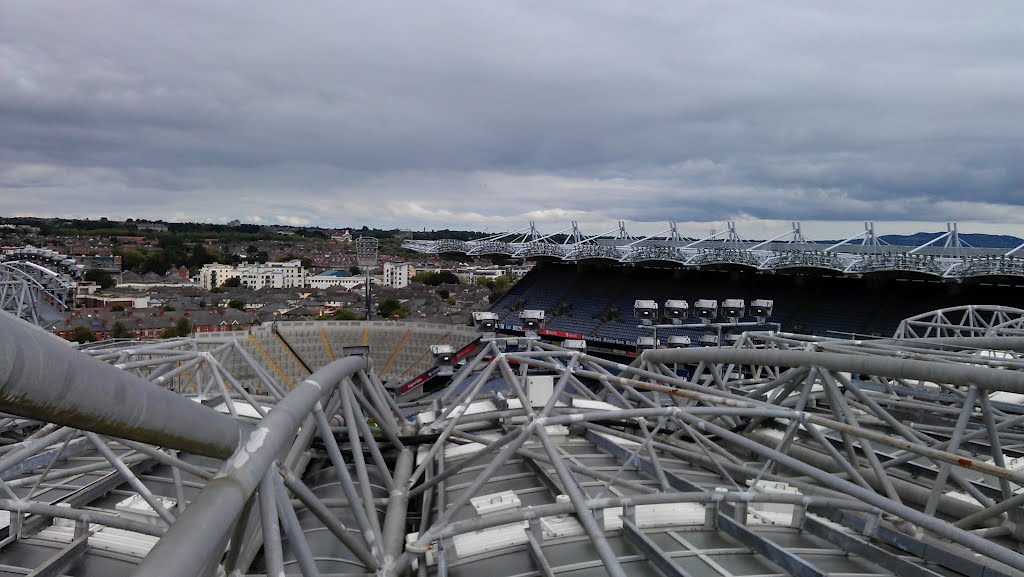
355, 351
575, 345
676, 311
533, 320
485, 322
761, 309
706, 310
732, 309
645, 311
444, 358
645, 343
708, 340
678, 342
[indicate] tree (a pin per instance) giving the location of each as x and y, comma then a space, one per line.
100, 277
391, 308
340, 315
436, 278
237, 304
443, 293
355, 270
200, 256
82, 335
119, 331
498, 286
233, 282
116, 308
182, 328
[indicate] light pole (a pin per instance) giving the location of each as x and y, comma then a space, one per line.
366, 258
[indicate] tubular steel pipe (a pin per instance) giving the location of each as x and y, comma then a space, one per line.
42, 378
48, 510
982, 377
937, 526
330, 521
203, 528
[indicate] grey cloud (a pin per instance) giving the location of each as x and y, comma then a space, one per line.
704, 111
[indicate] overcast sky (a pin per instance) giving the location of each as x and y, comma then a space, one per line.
486, 115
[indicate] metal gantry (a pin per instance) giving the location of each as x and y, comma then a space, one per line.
784, 454
946, 256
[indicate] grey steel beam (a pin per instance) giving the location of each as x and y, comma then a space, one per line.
47, 510
537, 553
297, 543
63, 559
982, 377
273, 555
790, 562
130, 477
394, 519
41, 377
205, 526
330, 521
938, 526
583, 514
870, 552
650, 549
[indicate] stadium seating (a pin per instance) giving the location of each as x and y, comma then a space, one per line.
398, 351
597, 302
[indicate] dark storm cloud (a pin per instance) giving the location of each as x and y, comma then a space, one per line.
478, 114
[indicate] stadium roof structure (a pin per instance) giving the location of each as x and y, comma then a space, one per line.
37, 284
784, 454
945, 256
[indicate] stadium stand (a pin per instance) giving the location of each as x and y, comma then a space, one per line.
289, 351
596, 301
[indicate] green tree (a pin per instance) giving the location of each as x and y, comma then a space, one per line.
355, 270
182, 328
497, 285
237, 304
82, 334
100, 277
391, 308
436, 278
233, 282
116, 308
200, 256
443, 293
132, 259
119, 331
340, 315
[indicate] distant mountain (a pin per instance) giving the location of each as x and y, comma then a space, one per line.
975, 240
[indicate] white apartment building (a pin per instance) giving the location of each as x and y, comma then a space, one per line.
288, 274
398, 274
216, 274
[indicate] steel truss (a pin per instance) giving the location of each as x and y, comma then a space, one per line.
944, 257
964, 321
906, 453
29, 290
